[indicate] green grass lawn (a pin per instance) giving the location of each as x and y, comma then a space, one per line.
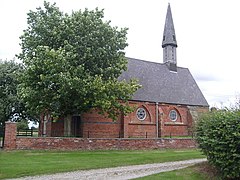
201, 171
25, 163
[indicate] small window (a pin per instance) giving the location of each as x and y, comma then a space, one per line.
163, 38
173, 115
141, 114
174, 38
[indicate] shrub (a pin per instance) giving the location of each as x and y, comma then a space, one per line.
22, 125
218, 135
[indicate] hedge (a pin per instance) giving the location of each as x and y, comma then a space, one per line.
218, 135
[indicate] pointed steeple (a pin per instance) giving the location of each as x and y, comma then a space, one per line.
169, 42
169, 36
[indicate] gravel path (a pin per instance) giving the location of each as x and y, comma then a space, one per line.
118, 173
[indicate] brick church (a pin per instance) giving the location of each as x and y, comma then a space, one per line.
168, 103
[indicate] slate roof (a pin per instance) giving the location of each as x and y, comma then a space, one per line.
163, 86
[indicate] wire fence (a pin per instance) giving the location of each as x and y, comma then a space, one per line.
173, 135
101, 134
118, 134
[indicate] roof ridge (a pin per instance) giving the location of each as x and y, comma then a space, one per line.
153, 62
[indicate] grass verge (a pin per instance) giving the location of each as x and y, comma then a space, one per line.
26, 163
200, 171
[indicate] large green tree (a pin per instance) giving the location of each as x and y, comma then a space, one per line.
72, 63
11, 106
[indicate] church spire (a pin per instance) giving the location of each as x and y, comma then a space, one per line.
169, 42
169, 37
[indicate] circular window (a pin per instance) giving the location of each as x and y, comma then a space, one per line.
173, 115
141, 114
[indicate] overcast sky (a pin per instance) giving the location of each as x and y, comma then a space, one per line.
207, 32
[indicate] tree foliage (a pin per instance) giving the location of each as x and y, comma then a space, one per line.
72, 63
22, 125
11, 106
218, 135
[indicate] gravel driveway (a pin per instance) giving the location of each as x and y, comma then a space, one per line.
117, 173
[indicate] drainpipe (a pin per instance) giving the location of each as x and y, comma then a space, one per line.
157, 118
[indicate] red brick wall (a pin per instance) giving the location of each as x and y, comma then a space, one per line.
10, 136
12, 142
102, 144
136, 128
58, 128
133, 127
181, 126
94, 125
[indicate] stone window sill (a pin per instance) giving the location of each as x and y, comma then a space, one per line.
141, 123
174, 124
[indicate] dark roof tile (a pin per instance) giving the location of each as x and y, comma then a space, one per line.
163, 86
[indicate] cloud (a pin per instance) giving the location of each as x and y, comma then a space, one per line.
207, 42
206, 77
